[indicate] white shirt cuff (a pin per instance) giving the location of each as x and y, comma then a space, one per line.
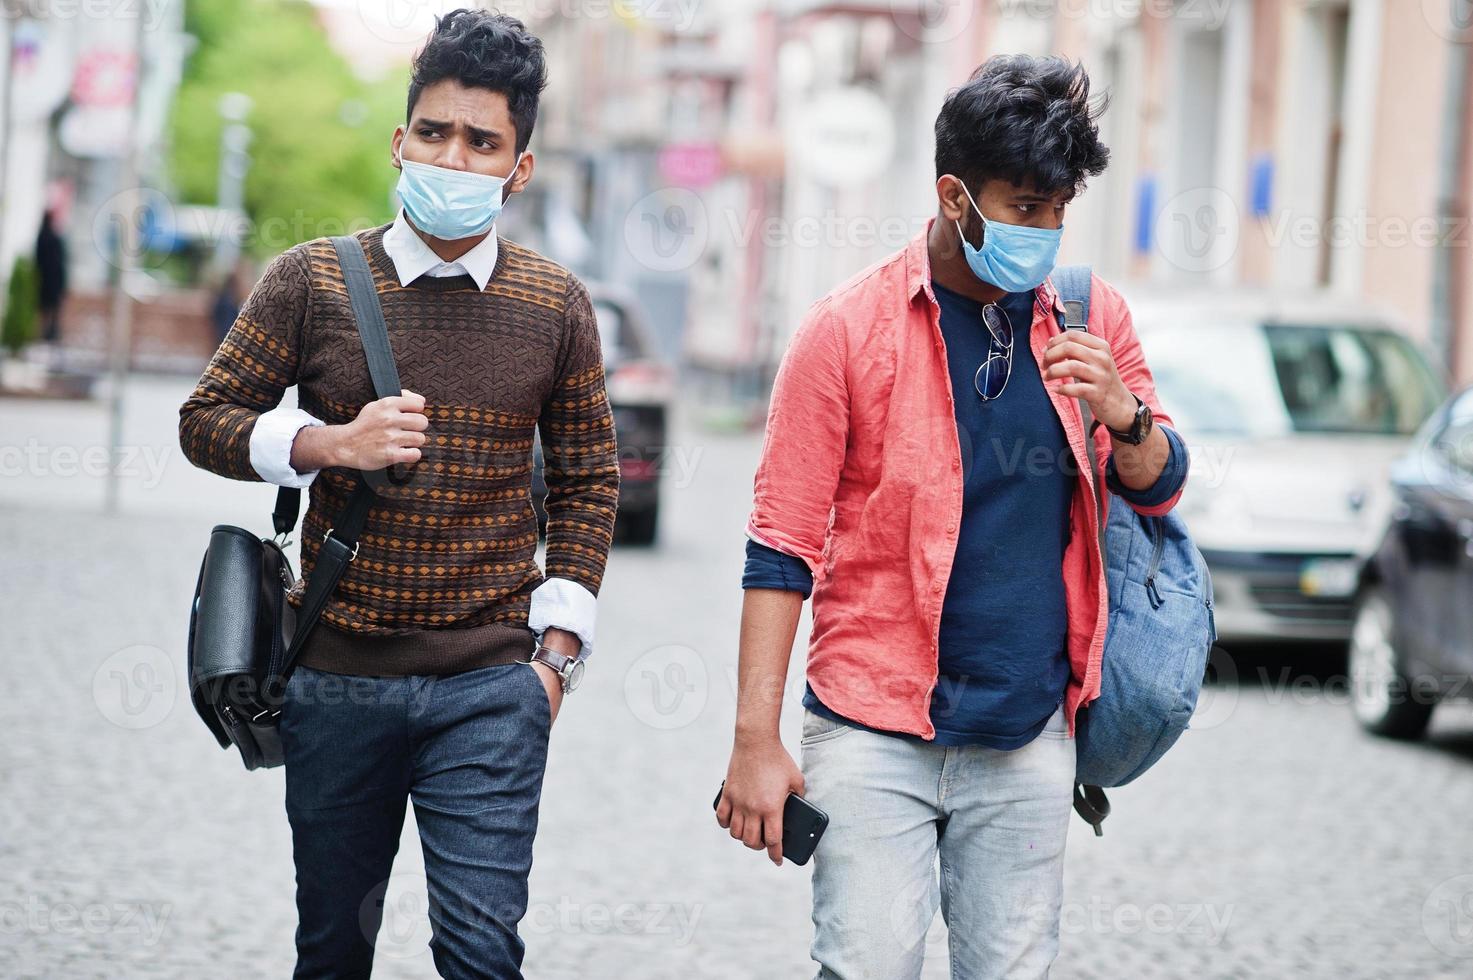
561, 603
271, 446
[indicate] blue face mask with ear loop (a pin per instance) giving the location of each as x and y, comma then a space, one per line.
1014, 258
450, 204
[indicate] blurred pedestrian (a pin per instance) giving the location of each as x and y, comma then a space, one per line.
923, 479
443, 656
228, 298
51, 268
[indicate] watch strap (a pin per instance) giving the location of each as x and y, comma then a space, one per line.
1133, 435
557, 661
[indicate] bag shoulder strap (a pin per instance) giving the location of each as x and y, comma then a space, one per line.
340, 545
1074, 283
369, 316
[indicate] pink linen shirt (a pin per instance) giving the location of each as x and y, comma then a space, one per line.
861, 478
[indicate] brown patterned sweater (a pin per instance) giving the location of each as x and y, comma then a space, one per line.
447, 558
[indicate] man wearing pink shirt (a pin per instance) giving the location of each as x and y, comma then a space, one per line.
922, 479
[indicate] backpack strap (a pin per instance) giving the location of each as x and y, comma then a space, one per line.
1073, 283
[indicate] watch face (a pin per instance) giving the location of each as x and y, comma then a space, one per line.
575, 674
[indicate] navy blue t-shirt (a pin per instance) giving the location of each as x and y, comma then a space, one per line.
1003, 660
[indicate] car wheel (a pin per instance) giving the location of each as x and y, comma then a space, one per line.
1381, 693
640, 526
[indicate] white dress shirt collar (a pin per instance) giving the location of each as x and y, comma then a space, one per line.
412, 258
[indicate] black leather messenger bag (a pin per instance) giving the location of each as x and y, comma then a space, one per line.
244, 638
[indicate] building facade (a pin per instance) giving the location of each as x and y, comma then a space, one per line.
1297, 145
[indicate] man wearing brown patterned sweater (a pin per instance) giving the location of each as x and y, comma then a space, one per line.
415, 685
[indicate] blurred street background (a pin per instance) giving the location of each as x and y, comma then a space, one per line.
1287, 209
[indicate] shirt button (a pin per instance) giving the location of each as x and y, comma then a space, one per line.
936, 587
951, 529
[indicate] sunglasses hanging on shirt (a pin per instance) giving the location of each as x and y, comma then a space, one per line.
994, 372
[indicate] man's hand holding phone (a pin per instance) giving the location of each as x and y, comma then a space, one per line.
759, 778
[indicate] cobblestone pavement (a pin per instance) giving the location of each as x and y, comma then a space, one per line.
1275, 841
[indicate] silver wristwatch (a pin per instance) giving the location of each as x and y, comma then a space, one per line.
570, 669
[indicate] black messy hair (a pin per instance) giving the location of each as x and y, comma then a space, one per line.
484, 49
1020, 118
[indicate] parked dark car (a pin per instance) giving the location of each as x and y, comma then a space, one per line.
640, 386
1412, 640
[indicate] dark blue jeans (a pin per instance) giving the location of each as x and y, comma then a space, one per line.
469, 750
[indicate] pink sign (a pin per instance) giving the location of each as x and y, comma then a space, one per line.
691, 165
105, 78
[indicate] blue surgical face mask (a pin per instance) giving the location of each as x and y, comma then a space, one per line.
450, 204
1014, 258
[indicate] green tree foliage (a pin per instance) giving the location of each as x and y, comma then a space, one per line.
320, 135
22, 308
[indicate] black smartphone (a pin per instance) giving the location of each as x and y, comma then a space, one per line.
803, 825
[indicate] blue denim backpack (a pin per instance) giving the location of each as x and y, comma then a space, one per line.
1160, 631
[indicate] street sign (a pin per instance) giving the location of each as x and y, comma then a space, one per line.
845, 137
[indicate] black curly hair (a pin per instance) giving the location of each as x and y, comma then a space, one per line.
1019, 119
484, 49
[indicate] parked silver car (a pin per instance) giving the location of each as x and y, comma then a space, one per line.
1294, 410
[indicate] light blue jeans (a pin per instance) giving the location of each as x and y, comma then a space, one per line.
998, 821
